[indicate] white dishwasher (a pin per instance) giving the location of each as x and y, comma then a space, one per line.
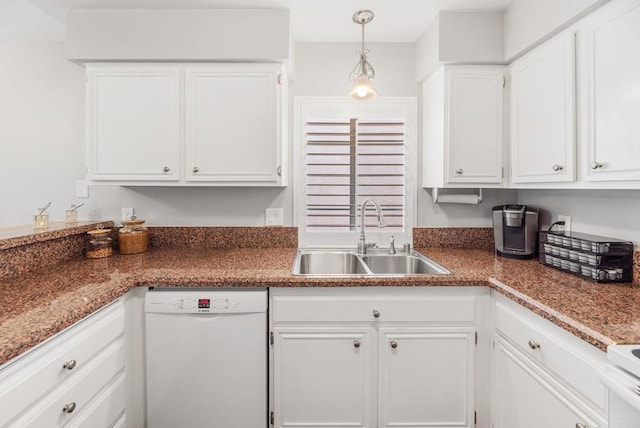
206, 357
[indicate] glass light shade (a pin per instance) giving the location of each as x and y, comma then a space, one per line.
362, 89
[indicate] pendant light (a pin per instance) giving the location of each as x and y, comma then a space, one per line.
363, 73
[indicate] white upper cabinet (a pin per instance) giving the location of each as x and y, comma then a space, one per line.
186, 124
542, 119
232, 115
133, 122
463, 127
611, 92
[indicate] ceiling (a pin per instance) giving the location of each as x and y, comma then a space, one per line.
399, 21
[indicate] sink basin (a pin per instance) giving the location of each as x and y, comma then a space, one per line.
350, 263
329, 263
402, 264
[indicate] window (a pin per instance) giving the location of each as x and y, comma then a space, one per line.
346, 152
347, 161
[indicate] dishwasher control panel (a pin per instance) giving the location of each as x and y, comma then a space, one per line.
205, 301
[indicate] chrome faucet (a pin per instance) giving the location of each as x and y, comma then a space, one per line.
362, 243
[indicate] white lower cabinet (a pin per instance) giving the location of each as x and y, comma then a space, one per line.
527, 395
425, 376
74, 379
541, 375
373, 358
324, 376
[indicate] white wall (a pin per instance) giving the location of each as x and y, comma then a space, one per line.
41, 115
611, 213
529, 22
42, 143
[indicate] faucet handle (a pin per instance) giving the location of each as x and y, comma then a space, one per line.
392, 246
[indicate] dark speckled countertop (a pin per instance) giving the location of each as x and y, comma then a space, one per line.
36, 305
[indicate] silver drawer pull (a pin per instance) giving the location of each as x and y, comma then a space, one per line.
356, 343
557, 167
581, 425
195, 169
166, 169
534, 345
69, 365
596, 165
393, 344
459, 171
376, 314
69, 408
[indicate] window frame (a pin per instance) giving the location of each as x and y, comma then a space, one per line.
379, 108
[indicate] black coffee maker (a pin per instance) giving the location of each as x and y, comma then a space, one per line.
515, 231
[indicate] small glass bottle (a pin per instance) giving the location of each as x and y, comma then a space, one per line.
133, 237
41, 219
99, 244
71, 215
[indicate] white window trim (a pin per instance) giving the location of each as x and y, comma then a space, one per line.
379, 108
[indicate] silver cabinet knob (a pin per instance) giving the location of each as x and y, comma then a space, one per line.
596, 165
459, 171
376, 314
69, 408
534, 345
581, 425
195, 169
393, 344
69, 365
356, 343
557, 167
166, 169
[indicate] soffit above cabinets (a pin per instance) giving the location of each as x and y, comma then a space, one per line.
311, 21
178, 35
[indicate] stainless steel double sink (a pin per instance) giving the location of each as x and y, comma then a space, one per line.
336, 262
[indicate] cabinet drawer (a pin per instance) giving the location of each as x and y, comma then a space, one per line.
24, 380
558, 351
438, 309
106, 410
76, 392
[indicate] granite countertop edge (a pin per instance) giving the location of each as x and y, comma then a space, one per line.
90, 284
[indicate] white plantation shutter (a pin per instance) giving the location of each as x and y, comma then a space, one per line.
348, 160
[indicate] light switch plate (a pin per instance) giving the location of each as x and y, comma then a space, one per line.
274, 216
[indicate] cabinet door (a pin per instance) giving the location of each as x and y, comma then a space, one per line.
526, 396
133, 122
426, 377
323, 377
473, 132
543, 113
232, 124
612, 92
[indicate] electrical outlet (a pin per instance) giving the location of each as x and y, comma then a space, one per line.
567, 223
127, 213
274, 216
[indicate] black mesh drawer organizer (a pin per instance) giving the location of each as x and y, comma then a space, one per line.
592, 257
